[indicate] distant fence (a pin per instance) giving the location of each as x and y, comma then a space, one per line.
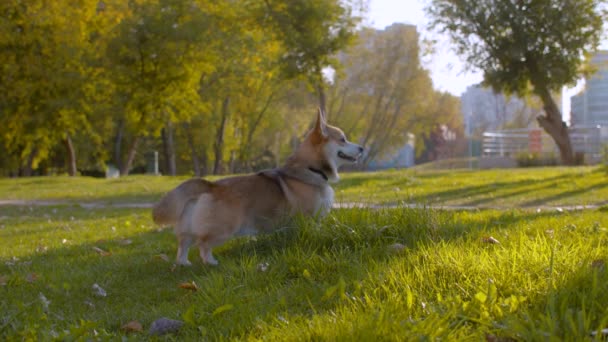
510, 143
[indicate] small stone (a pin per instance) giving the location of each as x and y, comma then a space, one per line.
396, 248
164, 326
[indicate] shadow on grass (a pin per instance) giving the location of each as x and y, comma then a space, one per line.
487, 192
566, 194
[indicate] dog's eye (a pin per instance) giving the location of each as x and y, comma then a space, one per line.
343, 140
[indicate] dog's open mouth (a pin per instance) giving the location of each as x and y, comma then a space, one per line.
346, 157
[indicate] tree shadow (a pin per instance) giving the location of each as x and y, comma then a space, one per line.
564, 195
488, 191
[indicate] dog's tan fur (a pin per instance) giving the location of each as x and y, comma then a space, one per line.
209, 213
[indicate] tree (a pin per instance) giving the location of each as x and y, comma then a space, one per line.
45, 78
383, 93
155, 61
525, 46
312, 33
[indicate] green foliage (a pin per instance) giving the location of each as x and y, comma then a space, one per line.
526, 42
215, 86
526, 46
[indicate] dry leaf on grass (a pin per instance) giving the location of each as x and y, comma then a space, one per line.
189, 286
600, 333
163, 257
494, 338
32, 277
396, 248
133, 326
99, 291
125, 242
3, 280
490, 239
101, 251
599, 264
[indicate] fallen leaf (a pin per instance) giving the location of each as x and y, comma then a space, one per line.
189, 286
494, 338
601, 333
396, 248
3, 280
489, 239
99, 291
133, 326
599, 263
32, 277
163, 257
164, 326
45, 302
263, 267
125, 242
101, 251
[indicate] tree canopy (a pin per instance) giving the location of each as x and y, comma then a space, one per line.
526, 46
215, 86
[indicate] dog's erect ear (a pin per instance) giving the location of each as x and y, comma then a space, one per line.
320, 126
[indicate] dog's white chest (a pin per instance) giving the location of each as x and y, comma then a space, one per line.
326, 200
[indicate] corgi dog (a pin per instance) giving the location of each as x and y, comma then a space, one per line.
206, 214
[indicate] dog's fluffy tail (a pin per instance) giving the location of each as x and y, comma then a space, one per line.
170, 207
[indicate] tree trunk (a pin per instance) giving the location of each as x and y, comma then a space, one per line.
27, 169
118, 145
554, 126
71, 155
124, 171
169, 149
193, 154
218, 146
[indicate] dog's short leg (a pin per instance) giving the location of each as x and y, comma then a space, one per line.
206, 244
206, 255
184, 243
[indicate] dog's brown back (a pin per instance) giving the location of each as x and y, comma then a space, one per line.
170, 207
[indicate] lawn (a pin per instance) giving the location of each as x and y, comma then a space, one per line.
359, 274
529, 188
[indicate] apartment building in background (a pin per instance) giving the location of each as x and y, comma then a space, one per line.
590, 106
485, 110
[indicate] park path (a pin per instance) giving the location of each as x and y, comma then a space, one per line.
92, 205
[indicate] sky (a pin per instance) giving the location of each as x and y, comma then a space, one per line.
447, 69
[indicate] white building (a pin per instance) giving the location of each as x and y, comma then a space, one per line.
590, 106
485, 110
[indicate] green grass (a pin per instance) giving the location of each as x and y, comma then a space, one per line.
338, 279
341, 278
531, 188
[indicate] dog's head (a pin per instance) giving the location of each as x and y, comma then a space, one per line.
331, 148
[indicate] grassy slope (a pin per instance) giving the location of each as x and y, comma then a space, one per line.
491, 188
337, 279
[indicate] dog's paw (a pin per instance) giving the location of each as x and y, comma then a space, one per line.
211, 261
